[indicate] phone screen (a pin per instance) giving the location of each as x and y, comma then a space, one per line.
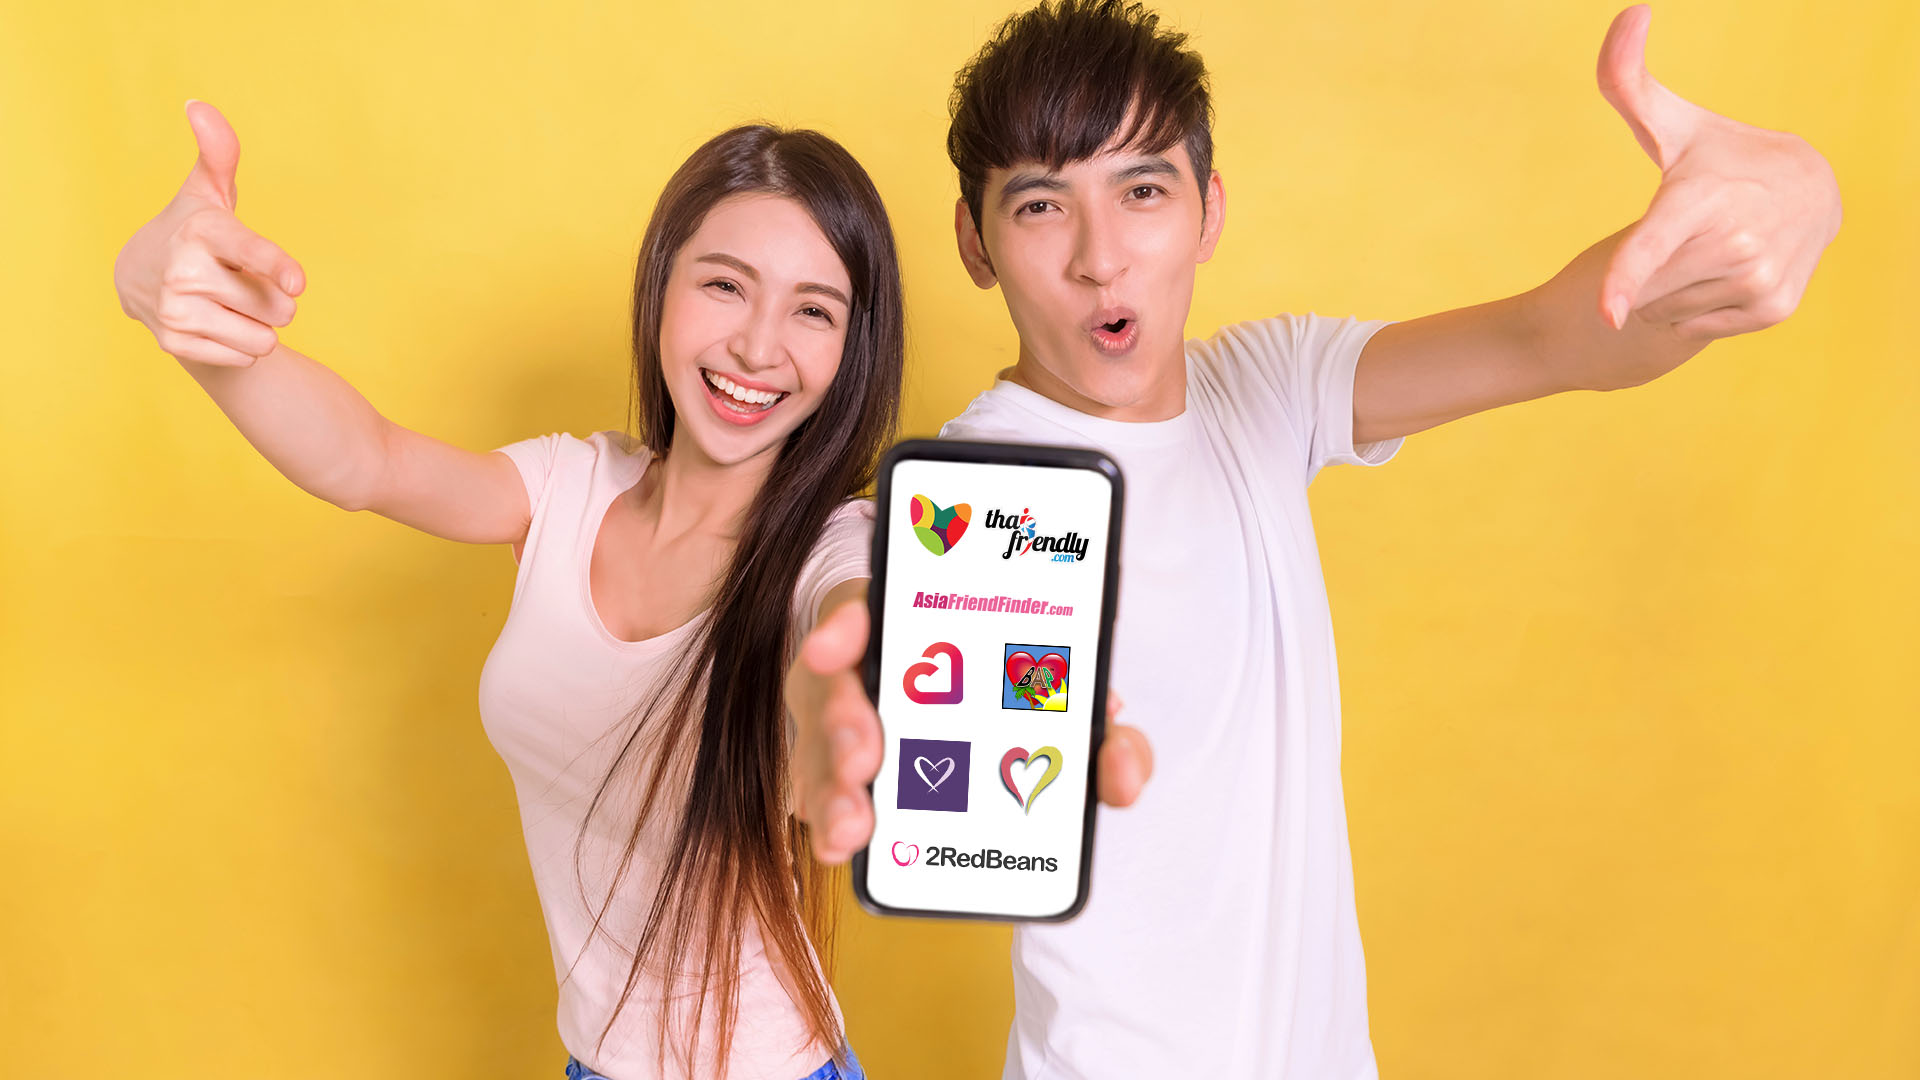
995, 582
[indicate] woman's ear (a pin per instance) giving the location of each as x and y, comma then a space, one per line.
973, 250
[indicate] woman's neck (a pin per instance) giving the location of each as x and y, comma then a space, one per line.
690, 493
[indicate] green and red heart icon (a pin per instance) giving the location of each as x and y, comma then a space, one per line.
938, 527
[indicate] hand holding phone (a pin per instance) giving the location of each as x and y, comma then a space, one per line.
1025, 694
837, 739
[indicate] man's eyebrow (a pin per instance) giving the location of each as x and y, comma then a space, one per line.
1153, 166
1020, 183
724, 259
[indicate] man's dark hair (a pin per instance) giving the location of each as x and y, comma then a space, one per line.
1056, 82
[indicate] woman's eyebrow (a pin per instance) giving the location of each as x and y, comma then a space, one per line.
724, 259
824, 290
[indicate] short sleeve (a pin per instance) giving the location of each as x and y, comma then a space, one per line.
844, 552
1308, 363
535, 458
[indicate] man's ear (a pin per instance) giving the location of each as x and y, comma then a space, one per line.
1214, 217
973, 251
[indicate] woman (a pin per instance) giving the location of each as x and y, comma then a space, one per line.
634, 691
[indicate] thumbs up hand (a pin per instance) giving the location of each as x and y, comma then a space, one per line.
209, 288
1739, 221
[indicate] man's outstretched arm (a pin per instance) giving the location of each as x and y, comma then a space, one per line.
1727, 246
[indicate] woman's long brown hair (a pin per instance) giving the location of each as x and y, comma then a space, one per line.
736, 852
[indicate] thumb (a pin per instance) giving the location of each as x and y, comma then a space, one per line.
1662, 121
838, 642
212, 176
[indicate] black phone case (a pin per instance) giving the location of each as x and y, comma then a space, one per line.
997, 453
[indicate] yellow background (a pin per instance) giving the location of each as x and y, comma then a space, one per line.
1629, 694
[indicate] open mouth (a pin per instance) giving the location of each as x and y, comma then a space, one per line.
1115, 330
740, 399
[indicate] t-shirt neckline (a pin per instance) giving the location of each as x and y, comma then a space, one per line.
1141, 433
636, 461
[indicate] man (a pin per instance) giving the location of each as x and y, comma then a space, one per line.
1220, 937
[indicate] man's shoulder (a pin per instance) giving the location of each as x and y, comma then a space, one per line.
1248, 339
994, 414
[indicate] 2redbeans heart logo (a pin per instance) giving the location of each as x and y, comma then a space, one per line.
913, 853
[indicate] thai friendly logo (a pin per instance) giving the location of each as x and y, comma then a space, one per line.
938, 527
1024, 537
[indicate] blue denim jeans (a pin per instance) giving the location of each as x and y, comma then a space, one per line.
577, 1071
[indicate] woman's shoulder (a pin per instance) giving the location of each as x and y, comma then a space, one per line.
858, 510
618, 442
846, 537
557, 444
618, 450
562, 460
848, 529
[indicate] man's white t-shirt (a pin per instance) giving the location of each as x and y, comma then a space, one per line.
1220, 936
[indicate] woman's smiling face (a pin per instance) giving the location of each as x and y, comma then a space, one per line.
752, 325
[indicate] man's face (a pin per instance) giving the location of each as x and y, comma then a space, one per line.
1096, 261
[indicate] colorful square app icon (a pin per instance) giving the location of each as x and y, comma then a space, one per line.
1035, 677
933, 774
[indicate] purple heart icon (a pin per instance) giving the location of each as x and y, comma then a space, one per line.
933, 774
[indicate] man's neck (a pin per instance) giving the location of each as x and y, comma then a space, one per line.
1163, 398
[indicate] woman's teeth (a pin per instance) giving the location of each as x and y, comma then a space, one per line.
740, 397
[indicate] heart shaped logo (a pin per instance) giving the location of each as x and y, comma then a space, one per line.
933, 775
956, 673
938, 527
912, 856
1019, 754
924, 767
1034, 682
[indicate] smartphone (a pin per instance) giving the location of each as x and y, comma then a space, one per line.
995, 568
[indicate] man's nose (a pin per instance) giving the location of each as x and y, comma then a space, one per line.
1098, 255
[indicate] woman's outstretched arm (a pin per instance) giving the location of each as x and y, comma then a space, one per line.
212, 291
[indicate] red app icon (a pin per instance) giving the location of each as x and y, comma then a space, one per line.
948, 696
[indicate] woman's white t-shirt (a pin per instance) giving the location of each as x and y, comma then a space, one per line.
1220, 936
555, 697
